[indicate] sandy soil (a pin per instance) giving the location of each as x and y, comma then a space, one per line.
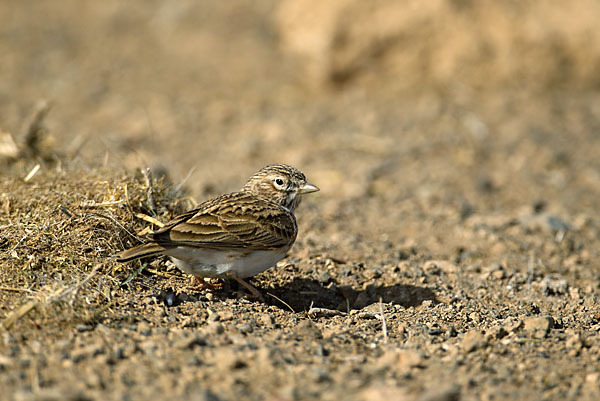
452, 253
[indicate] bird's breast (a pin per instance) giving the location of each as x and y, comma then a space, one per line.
221, 263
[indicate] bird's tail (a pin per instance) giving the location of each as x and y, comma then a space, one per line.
140, 251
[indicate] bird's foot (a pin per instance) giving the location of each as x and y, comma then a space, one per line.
200, 283
254, 293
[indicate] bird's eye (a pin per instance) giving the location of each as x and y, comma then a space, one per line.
279, 181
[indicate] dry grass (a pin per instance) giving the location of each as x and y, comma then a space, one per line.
59, 231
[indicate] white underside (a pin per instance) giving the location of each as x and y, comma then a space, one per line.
212, 263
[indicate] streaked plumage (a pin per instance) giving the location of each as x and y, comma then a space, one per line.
236, 235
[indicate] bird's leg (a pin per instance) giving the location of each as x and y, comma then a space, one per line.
253, 291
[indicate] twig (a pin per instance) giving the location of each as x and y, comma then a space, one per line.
324, 312
149, 219
149, 183
187, 177
16, 315
77, 286
282, 301
115, 221
92, 204
35, 127
65, 211
29, 306
31, 173
159, 273
134, 274
3, 288
383, 322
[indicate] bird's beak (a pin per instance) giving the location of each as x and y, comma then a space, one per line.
307, 188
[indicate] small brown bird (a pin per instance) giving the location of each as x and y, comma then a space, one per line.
236, 235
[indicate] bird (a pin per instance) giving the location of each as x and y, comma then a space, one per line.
236, 235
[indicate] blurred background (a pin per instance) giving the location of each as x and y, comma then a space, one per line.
483, 105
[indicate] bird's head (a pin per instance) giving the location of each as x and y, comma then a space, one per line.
280, 183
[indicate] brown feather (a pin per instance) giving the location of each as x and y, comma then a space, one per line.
237, 220
140, 251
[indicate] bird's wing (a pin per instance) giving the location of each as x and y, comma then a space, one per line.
237, 220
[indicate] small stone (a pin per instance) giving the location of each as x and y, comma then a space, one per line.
514, 326
232, 360
434, 329
442, 393
319, 375
401, 360
499, 274
148, 347
191, 342
80, 354
216, 328
575, 342
144, 329
427, 304
266, 320
436, 267
5, 362
574, 293
451, 331
539, 327
473, 340
554, 284
307, 328
475, 317
245, 328
226, 315
213, 316
496, 333
188, 322
593, 378
83, 327
204, 395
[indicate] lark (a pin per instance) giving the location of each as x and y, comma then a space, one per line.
236, 235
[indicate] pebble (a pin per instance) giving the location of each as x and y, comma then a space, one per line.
307, 328
80, 354
144, 329
245, 328
400, 360
575, 343
538, 326
213, 316
266, 320
226, 315
554, 284
83, 327
436, 267
473, 340
192, 342
216, 328
427, 304
475, 317
496, 333
148, 347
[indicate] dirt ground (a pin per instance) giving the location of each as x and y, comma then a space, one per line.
451, 254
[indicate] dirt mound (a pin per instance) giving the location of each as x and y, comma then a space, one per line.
476, 43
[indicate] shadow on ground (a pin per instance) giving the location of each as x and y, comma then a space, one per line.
301, 293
